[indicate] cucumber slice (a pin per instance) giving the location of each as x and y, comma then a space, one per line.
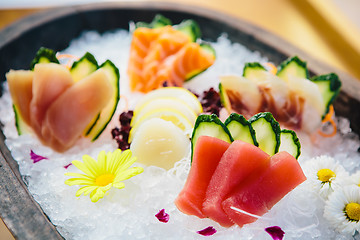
290, 143
21, 126
83, 67
254, 71
108, 111
208, 48
224, 98
267, 132
329, 86
44, 55
158, 21
209, 125
241, 129
293, 66
190, 28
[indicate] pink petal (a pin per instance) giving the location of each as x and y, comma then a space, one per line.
275, 232
66, 166
162, 216
207, 231
36, 158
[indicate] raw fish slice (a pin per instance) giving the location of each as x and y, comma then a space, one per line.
167, 44
258, 196
50, 81
241, 161
20, 87
191, 58
207, 154
71, 112
140, 44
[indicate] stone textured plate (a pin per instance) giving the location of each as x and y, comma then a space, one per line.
55, 28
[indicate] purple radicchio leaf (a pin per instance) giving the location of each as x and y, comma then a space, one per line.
275, 232
36, 158
162, 216
207, 231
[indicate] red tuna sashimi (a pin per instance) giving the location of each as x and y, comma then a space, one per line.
260, 195
71, 112
207, 154
240, 161
50, 81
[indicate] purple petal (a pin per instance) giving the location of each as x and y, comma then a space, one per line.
36, 158
162, 216
207, 231
66, 166
275, 232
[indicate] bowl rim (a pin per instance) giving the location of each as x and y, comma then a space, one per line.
15, 218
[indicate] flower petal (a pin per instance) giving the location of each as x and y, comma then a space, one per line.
78, 181
96, 195
128, 173
79, 175
35, 157
207, 231
85, 190
91, 164
82, 167
162, 216
275, 232
118, 185
101, 162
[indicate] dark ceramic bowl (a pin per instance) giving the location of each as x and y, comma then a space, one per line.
55, 28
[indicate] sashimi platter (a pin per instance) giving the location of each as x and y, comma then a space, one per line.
156, 130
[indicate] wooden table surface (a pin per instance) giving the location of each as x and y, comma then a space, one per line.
315, 26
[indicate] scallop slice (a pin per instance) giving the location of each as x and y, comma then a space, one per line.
160, 143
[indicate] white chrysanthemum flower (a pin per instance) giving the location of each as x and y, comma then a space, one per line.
342, 209
354, 179
324, 174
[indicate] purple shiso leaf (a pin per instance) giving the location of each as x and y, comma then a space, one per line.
162, 216
207, 231
275, 232
68, 165
36, 158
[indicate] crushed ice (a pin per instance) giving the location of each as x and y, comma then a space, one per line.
129, 214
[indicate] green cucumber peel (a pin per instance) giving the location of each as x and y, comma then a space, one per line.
44, 55
302, 70
245, 126
257, 121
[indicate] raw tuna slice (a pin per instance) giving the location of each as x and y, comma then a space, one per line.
260, 195
20, 87
240, 161
207, 154
50, 81
68, 116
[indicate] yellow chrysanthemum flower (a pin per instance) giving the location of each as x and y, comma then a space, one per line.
108, 171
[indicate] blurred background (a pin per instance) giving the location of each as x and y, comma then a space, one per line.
328, 30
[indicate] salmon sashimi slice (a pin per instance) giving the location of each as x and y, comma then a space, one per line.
260, 195
20, 87
49, 82
190, 59
164, 54
167, 44
207, 154
139, 48
240, 162
71, 112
